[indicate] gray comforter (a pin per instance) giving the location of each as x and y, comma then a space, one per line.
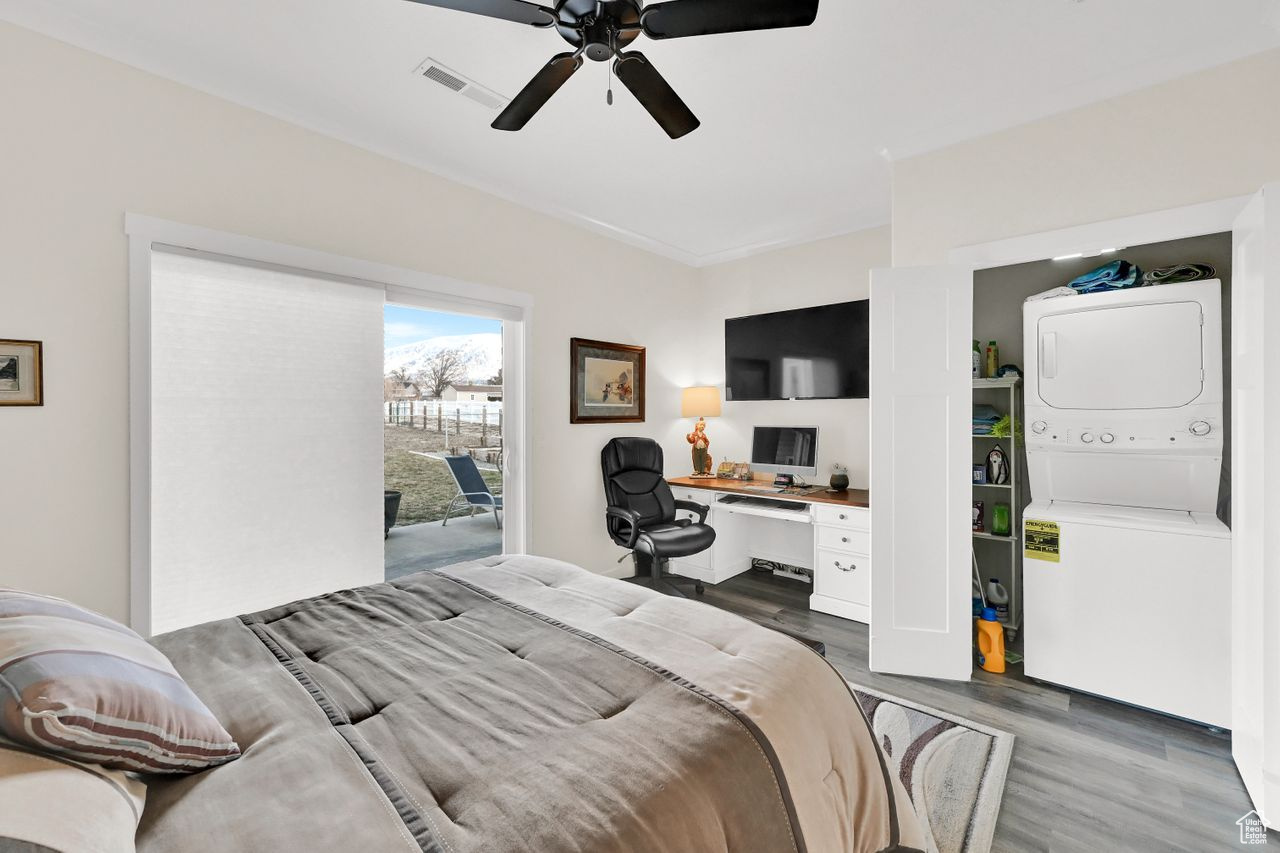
521, 704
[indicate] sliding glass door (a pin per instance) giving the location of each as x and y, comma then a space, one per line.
257, 417
443, 444
265, 442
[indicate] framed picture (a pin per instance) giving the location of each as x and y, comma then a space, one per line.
21, 373
606, 383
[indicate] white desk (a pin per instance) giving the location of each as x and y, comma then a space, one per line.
830, 534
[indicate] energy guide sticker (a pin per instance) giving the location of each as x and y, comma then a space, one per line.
1041, 540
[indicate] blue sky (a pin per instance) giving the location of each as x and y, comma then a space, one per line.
410, 325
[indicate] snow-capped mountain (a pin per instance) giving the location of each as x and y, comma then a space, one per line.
485, 349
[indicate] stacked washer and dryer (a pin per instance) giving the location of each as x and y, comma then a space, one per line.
1126, 567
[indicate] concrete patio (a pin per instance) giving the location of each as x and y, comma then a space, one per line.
417, 547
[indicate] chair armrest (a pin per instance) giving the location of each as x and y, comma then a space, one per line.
630, 516
691, 506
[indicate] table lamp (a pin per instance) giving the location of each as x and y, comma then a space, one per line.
701, 402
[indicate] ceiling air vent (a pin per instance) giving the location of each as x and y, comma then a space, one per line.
463, 85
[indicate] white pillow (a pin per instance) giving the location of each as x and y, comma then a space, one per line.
65, 805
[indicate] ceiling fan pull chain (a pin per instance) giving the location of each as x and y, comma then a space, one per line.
613, 44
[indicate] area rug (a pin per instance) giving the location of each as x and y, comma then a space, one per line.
954, 769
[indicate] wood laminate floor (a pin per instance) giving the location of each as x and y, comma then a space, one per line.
1087, 774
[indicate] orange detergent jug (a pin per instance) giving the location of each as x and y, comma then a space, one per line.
990, 642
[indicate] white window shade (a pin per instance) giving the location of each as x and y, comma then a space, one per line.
266, 438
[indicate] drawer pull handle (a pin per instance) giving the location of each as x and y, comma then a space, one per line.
844, 538
847, 568
843, 516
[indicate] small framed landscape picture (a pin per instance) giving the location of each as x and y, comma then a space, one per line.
606, 383
21, 373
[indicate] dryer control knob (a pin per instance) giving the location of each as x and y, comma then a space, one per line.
1086, 437
1039, 427
1200, 428
1107, 438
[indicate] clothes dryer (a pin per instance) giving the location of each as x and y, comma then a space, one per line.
1124, 397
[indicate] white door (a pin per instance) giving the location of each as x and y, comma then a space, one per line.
1255, 516
921, 397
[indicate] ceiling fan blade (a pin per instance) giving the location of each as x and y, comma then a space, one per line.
707, 17
538, 91
508, 10
655, 94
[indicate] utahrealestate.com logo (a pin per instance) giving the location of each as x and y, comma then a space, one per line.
1252, 829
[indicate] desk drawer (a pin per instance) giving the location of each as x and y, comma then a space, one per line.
858, 518
844, 539
843, 576
699, 496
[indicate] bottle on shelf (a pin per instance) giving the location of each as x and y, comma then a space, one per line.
977, 360
1001, 520
998, 599
990, 642
993, 360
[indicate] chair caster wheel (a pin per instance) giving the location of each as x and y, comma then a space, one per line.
699, 588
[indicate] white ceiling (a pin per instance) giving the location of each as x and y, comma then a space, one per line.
798, 126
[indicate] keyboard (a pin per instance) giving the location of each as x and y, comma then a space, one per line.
765, 503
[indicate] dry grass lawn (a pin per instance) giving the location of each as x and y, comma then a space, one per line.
425, 484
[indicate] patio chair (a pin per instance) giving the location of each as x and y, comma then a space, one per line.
472, 489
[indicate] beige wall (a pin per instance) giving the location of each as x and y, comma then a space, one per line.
86, 139
1209, 136
826, 271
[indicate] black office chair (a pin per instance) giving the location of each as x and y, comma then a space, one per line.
641, 512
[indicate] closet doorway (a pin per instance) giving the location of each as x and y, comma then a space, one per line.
927, 632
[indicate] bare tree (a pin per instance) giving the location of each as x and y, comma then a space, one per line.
396, 385
446, 367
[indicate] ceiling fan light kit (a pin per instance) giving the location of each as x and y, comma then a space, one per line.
601, 29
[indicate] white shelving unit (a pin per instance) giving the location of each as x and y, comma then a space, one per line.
1000, 556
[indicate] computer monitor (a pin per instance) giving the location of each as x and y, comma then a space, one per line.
785, 450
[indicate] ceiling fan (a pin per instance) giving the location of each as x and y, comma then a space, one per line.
600, 29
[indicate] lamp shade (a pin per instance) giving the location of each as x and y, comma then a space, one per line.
701, 402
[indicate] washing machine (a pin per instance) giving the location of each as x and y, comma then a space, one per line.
1126, 567
1130, 603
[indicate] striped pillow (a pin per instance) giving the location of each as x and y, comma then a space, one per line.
76, 683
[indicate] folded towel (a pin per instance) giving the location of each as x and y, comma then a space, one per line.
1116, 275
1051, 293
984, 414
1177, 274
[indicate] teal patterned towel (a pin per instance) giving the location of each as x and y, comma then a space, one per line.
1116, 275
1178, 273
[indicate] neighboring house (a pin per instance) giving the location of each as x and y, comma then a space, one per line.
393, 389
472, 393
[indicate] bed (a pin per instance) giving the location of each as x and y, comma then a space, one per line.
522, 704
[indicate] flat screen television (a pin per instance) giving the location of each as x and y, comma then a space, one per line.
819, 353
